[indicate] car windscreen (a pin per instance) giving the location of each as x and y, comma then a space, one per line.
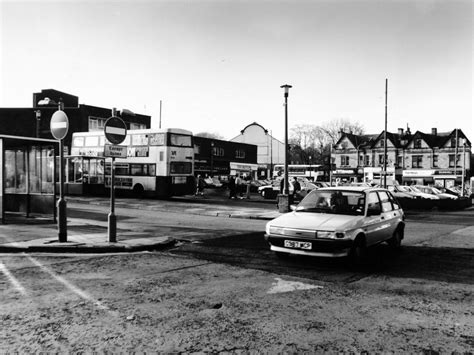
334, 202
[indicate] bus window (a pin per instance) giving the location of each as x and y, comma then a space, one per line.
179, 140
92, 141
181, 167
121, 169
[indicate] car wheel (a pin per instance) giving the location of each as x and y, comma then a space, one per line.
358, 252
396, 241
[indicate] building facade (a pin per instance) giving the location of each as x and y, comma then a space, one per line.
215, 157
421, 158
35, 121
270, 151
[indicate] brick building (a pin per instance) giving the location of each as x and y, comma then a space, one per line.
422, 158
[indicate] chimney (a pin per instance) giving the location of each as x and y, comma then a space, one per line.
434, 131
400, 131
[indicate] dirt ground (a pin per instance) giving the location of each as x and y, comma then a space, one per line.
160, 302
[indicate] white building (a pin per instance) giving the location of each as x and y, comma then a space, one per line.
270, 151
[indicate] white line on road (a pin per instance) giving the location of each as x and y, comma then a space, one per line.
84, 295
12, 279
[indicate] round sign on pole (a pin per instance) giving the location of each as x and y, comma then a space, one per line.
59, 125
115, 130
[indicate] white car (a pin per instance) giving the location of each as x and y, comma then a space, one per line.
337, 222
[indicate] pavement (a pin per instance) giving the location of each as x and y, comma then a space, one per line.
40, 234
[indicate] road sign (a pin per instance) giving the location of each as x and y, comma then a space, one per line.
115, 151
115, 130
59, 125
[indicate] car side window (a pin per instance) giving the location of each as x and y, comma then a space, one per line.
373, 203
396, 205
386, 202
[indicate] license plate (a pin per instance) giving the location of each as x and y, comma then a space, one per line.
297, 245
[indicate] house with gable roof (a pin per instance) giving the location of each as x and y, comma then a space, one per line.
421, 158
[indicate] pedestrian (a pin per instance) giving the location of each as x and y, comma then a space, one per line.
239, 186
200, 186
232, 192
296, 186
249, 184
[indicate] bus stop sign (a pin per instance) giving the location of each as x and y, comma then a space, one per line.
59, 125
115, 130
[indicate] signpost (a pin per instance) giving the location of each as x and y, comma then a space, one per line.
115, 131
59, 126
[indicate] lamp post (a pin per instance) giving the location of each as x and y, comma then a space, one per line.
286, 88
212, 159
463, 165
38, 122
309, 160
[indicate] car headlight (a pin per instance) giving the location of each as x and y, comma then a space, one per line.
330, 235
276, 230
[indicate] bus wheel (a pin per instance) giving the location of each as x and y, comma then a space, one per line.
138, 190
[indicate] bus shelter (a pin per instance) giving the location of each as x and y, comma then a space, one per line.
27, 170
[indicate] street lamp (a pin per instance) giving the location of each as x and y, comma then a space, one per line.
309, 160
463, 165
286, 88
212, 159
38, 121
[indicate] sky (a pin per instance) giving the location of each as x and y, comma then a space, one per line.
217, 66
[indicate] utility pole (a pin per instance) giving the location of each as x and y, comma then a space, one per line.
160, 116
385, 140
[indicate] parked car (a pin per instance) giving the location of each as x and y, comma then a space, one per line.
272, 190
418, 192
434, 191
212, 182
338, 222
401, 192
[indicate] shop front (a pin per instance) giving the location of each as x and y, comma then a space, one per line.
441, 177
244, 169
27, 168
344, 176
375, 175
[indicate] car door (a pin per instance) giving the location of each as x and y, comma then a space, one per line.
390, 215
373, 220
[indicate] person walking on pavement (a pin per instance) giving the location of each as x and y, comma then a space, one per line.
239, 185
296, 186
232, 192
200, 186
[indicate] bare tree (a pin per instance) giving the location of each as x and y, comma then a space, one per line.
304, 135
329, 131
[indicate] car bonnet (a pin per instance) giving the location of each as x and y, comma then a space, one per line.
316, 221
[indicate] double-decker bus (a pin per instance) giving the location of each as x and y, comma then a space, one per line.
300, 170
159, 163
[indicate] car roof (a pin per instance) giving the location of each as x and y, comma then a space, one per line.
352, 188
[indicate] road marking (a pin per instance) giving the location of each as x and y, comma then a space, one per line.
281, 286
12, 279
84, 295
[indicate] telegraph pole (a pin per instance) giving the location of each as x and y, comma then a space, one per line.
385, 140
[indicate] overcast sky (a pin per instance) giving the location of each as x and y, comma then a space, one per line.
218, 66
